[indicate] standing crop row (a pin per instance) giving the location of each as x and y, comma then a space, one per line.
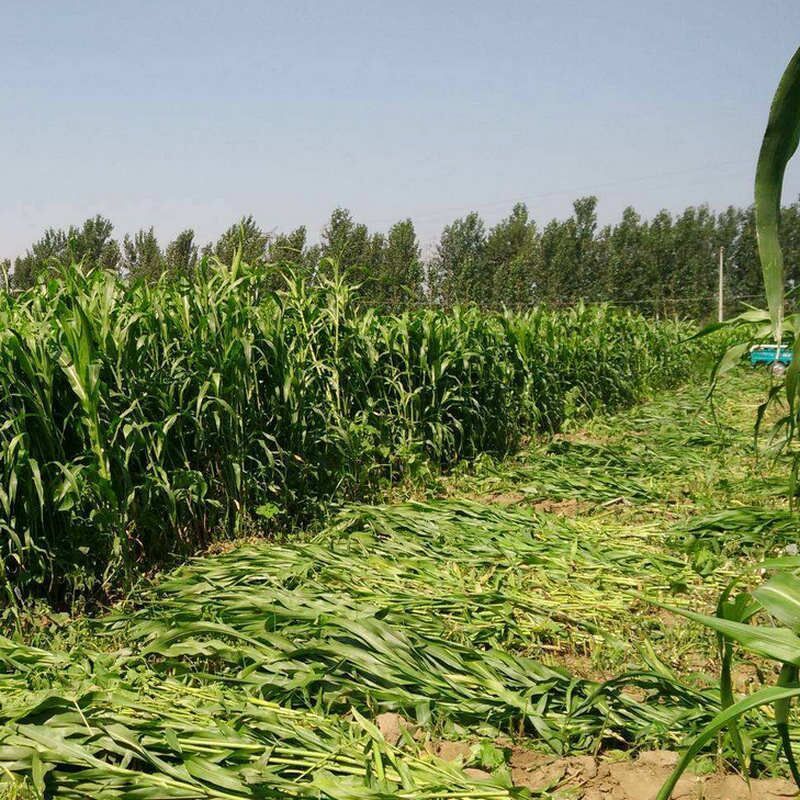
138, 421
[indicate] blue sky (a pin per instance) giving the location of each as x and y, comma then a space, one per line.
190, 114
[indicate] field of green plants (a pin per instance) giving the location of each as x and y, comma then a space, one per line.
433, 543
142, 422
500, 612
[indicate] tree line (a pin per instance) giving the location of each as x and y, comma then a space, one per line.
666, 265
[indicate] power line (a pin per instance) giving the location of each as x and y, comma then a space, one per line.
437, 213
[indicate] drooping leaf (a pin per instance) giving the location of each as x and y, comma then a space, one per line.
780, 141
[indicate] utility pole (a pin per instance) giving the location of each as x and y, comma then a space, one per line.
720, 307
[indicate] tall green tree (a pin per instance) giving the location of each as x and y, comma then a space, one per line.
569, 268
47, 253
289, 248
551, 277
457, 272
511, 253
90, 245
180, 258
694, 282
245, 234
659, 267
142, 257
292, 250
585, 248
400, 276
628, 262
347, 244
93, 244
742, 266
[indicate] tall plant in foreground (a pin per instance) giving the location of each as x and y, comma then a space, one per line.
779, 597
780, 142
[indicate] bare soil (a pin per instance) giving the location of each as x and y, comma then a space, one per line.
589, 778
565, 508
585, 778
